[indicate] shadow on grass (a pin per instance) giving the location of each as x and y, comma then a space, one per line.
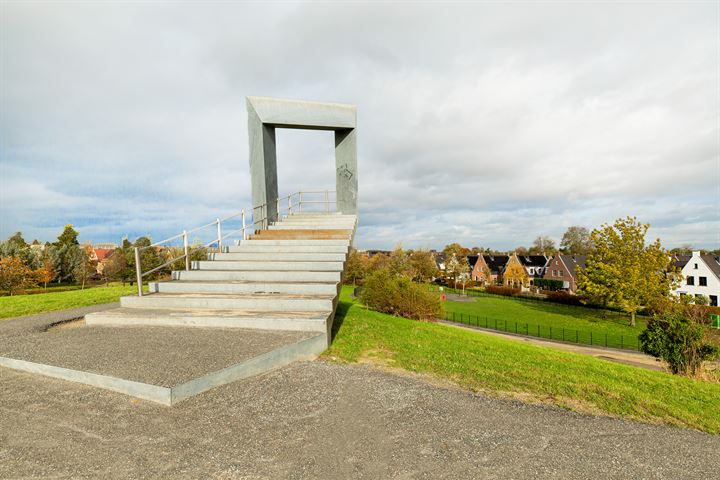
340, 313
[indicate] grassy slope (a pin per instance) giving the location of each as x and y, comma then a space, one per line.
18, 305
506, 368
548, 315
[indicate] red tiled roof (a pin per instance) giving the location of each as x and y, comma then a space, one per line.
102, 253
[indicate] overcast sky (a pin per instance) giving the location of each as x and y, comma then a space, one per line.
487, 124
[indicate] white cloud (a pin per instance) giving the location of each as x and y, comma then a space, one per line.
486, 124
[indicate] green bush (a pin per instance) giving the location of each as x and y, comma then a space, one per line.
677, 335
547, 283
399, 295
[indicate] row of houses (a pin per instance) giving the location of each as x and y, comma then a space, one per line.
701, 273
522, 270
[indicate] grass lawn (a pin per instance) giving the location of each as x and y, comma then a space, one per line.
505, 368
548, 320
19, 305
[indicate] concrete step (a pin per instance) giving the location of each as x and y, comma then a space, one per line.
278, 257
255, 276
308, 226
302, 235
216, 301
319, 215
267, 266
279, 242
229, 286
262, 248
292, 321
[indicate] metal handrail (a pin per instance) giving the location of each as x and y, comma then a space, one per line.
262, 220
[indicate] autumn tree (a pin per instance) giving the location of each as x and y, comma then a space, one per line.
399, 263
457, 268
576, 241
15, 275
623, 271
356, 267
114, 266
46, 273
543, 245
423, 265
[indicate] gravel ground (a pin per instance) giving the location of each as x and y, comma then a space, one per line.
163, 356
322, 420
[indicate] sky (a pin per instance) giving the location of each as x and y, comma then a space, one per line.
486, 124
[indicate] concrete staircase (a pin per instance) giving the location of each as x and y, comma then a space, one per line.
284, 278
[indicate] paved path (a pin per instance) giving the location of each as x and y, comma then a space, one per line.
321, 420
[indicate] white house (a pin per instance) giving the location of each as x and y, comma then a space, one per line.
701, 276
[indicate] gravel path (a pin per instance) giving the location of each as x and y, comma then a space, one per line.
321, 420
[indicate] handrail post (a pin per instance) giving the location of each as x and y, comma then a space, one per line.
138, 272
219, 236
243, 224
290, 204
300, 202
278, 209
186, 250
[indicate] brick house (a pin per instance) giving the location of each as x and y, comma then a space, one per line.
563, 268
481, 264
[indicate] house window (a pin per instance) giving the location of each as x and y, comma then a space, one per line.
532, 271
691, 280
560, 273
695, 267
713, 301
703, 281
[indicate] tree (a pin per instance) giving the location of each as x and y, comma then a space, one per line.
457, 268
678, 335
356, 267
455, 249
46, 273
149, 258
423, 265
543, 245
400, 263
68, 237
576, 241
15, 275
622, 271
114, 266
521, 250
82, 266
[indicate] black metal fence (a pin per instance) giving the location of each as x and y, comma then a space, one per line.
585, 337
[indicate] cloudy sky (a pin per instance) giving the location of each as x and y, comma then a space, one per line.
483, 123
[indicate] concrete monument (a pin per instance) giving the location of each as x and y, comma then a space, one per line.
267, 114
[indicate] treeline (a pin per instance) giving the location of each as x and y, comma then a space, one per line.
66, 261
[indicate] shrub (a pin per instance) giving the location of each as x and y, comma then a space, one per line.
677, 335
507, 291
548, 283
398, 295
564, 298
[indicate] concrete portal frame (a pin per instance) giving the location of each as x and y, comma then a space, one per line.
265, 114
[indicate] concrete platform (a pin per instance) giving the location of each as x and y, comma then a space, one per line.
161, 364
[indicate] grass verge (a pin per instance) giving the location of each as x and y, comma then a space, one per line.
20, 305
504, 368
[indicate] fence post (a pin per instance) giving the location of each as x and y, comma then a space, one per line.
515, 327
526, 329
486, 321
453, 316
591, 338
186, 250
243, 224
563, 334
219, 234
138, 271
551, 333
621, 341
577, 340
538, 330
606, 340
